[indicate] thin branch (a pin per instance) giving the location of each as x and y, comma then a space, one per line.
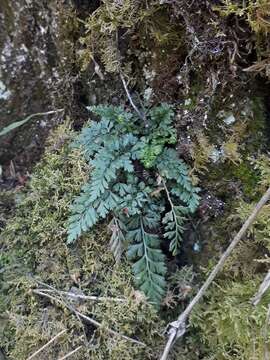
178, 328
265, 334
47, 344
71, 295
71, 353
87, 318
63, 301
97, 69
141, 116
262, 289
110, 331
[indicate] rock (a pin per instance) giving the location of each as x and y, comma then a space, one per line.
230, 119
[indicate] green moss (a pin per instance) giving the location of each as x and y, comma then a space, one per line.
255, 135
260, 229
229, 325
6, 205
248, 176
255, 12
249, 137
102, 27
244, 175
35, 248
225, 325
159, 33
150, 27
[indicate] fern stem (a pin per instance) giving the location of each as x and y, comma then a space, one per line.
170, 202
167, 192
145, 246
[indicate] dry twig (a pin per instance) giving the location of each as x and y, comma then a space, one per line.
177, 329
47, 344
141, 116
258, 66
265, 334
74, 296
262, 289
71, 353
87, 318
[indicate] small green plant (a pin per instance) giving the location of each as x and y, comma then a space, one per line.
139, 182
17, 124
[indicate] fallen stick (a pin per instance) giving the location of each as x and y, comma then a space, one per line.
87, 318
265, 335
71, 353
262, 290
141, 115
47, 344
177, 329
71, 295
135, 108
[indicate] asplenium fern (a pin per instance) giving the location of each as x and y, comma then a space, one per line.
138, 180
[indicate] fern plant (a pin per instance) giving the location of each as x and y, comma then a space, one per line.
137, 180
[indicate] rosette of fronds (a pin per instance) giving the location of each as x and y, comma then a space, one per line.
138, 182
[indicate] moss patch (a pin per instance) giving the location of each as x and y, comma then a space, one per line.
33, 248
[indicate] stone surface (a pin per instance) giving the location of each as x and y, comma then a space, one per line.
28, 74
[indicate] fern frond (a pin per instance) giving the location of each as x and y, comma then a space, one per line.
189, 197
176, 171
83, 217
172, 168
88, 209
108, 202
149, 267
111, 113
106, 168
173, 223
91, 137
162, 115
